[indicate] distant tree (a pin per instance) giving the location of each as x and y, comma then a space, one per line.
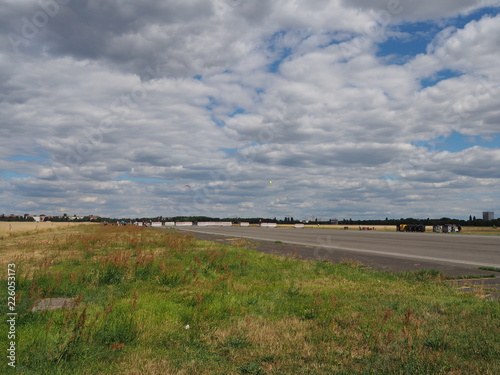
470, 218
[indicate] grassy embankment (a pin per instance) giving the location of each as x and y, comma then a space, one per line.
152, 302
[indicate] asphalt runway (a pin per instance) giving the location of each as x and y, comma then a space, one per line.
417, 250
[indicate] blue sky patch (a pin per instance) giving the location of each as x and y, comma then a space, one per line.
217, 121
238, 111
41, 157
274, 39
413, 40
229, 151
390, 177
212, 103
7, 175
277, 48
438, 77
461, 21
457, 142
25, 158
415, 37
275, 65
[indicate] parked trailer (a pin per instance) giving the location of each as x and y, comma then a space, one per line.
410, 228
449, 228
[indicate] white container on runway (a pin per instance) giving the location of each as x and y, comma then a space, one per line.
184, 224
269, 225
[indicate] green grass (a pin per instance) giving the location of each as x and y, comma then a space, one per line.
151, 302
494, 269
471, 277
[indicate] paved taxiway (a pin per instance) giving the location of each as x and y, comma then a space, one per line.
431, 248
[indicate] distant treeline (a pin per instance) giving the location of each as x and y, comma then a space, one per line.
15, 218
472, 221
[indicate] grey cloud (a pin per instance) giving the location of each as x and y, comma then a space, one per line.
87, 28
106, 93
418, 10
254, 12
309, 148
481, 51
474, 162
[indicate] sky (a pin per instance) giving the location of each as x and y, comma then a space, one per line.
250, 108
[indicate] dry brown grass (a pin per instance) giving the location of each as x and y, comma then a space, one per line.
272, 338
481, 230
14, 227
32, 244
145, 363
353, 262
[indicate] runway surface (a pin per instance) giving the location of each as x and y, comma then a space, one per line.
431, 249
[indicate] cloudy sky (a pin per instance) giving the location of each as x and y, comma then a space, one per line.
303, 108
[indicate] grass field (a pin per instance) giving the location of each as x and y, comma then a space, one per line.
155, 302
15, 228
481, 230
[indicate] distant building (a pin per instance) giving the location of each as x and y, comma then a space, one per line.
488, 215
